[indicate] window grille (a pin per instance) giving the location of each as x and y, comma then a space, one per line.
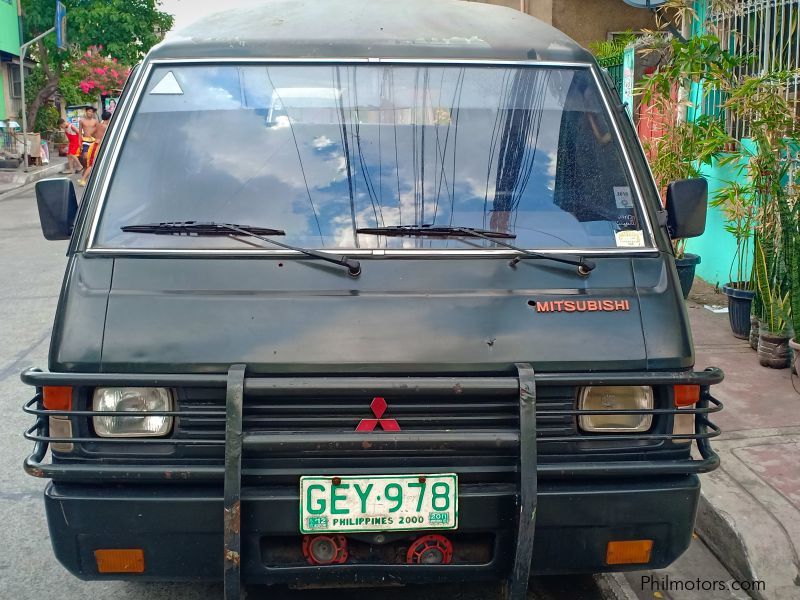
614, 65
767, 30
16, 81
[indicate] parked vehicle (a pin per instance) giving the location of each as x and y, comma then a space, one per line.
429, 330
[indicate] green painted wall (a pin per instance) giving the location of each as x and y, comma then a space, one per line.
716, 246
2, 96
9, 42
9, 27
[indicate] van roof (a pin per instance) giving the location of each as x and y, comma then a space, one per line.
405, 29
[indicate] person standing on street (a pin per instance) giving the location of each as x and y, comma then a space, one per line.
74, 148
88, 131
91, 153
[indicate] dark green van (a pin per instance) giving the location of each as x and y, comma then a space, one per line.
370, 293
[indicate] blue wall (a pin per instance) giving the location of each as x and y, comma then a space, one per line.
716, 246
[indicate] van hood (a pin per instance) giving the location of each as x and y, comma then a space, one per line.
298, 316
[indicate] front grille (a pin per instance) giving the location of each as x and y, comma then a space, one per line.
413, 413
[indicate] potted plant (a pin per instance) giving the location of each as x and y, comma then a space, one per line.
685, 145
760, 208
773, 340
737, 202
790, 223
686, 265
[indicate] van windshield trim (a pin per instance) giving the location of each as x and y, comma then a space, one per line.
98, 193
373, 252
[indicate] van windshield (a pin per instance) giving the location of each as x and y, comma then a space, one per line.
322, 151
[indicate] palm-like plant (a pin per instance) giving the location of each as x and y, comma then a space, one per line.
792, 225
606, 49
685, 145
774, 302
735, 199
760, 100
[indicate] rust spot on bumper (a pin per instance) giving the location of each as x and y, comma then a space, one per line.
232, 520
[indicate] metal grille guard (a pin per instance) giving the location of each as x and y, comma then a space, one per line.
236, 441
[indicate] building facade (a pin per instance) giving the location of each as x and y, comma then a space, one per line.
769, 33
584, 21
9, 60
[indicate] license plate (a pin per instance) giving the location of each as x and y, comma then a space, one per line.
378, 503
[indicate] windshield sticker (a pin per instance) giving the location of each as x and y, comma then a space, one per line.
622, 194
630, 239
169, 85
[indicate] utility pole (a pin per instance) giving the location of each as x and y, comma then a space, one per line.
59, 28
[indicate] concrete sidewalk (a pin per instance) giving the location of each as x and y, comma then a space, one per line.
11, 179
750, 508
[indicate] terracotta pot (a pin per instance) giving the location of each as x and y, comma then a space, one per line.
795, 346
755, 325
773, 350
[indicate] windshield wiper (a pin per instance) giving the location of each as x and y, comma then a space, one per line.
213, 228
434, 231
198, 228
584, 266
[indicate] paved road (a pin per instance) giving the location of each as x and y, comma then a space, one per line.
31, 270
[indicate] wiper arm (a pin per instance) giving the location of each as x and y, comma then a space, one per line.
259, 233
584, 266
433, 231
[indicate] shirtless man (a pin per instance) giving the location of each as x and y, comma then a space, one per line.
88, 129
99, 133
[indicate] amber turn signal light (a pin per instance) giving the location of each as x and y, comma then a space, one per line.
629, 552
687, 395
57, 397
119, 561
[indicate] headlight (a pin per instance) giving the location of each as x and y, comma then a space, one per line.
135, 400
616, 397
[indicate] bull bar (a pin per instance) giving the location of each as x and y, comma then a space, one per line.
237, 385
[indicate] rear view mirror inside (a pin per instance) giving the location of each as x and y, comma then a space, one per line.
58, 206
687, 202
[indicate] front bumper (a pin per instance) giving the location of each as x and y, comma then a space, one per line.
180, 530
556, 516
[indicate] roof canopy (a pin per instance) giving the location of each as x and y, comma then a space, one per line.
407, 29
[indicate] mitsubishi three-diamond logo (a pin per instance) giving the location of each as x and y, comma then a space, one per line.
378, 406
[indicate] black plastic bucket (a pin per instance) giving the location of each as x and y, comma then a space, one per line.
739, 302
686, 267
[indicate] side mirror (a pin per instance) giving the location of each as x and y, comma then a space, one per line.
687, 202
58, 206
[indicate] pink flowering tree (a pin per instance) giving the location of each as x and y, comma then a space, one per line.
98, 74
